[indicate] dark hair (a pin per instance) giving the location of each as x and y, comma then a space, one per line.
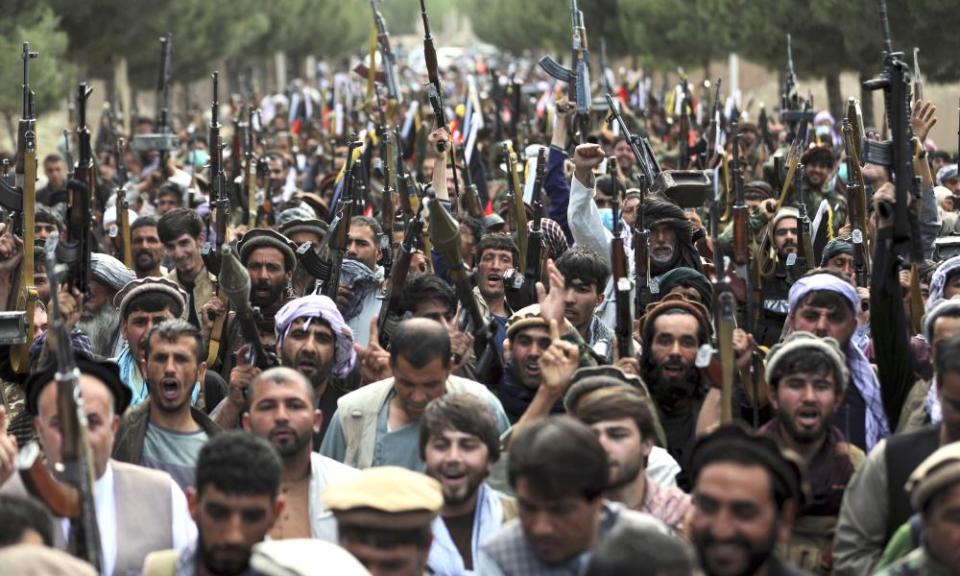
940, 155
19, 514
496, 241
370, 223
828, 299
604, 185
559, 456
427, 288
474, 225
420, 341
54, 157
178, 222
948, 356
385, 538
171, 189
462, 413
647, 365
617, 403
584, 264
805, 360
47, 216
144, 221
640, 551
172, 330
154, 301
239, 463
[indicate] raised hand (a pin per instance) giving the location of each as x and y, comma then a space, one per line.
558, 362
373, 359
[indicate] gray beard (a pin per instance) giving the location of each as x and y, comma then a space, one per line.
102, 330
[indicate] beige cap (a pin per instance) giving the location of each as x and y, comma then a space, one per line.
939, 471
385, 497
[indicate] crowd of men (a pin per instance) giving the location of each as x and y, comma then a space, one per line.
478, 410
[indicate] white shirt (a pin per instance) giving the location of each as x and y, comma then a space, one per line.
184, 530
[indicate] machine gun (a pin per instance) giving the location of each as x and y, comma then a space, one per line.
388, 60
163, 140
79, 243
516, 209
445, 235
621, 277
19, 198
235, 285
578, 76
73, 497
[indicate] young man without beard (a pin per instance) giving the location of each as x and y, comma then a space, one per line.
673, 331
934, 489
496, 254
282, 410
270, 259
100, 319
146, 248
379, 424
874, 505
313, 339
427, 296
624, 421
528, 337
783, 229
585, 276
818, 163
383, 518
459, 443
166, 432
181, 232
144, 303
559, 471
826, 304
137, 510
358, 295
807, 376
236, 502
745, 499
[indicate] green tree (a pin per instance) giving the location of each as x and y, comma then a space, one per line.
49, 77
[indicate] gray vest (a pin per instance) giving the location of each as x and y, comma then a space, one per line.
144, 514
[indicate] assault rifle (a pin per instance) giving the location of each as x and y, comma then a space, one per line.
249, 174
516, 209
445, 234
341, 226
577, 76
621, 277
19, 198
163, 140
897, 153
219, 200
435, 95
76, 249
388, 60
398, 277
235, 285
73, 497
123, 217
212, 250
856, 203
917, 76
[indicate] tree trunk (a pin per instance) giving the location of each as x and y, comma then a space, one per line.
706, 69
834, 96
866, 103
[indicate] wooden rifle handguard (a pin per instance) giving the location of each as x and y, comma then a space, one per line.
61, 499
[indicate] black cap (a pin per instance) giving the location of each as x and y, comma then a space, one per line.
106, 371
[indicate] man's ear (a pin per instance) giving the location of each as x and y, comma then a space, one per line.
192, 503
317, 420
600, 295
